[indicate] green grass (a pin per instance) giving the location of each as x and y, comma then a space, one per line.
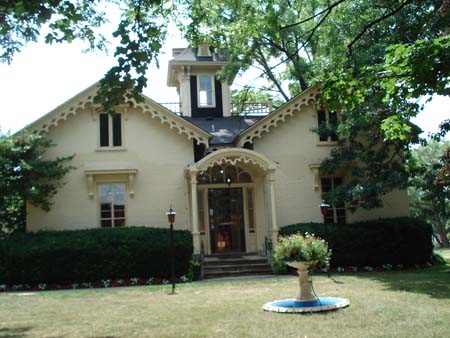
392, 304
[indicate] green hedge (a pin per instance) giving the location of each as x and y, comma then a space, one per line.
372, 243
92, 255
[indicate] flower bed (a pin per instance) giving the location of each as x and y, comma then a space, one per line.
104, 283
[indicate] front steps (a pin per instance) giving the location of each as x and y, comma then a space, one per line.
234, 265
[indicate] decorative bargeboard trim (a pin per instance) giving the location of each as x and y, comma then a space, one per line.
85, 100
280, 115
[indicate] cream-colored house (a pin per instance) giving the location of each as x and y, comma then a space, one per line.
233, 180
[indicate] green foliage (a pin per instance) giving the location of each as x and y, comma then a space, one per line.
26, 176
429, 193
92, 255
373, 58
302, 248
24, 21
194, 270
374, 243
438, 259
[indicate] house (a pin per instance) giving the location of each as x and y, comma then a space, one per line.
233, 180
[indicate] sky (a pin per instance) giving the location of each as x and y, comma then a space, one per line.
41, 77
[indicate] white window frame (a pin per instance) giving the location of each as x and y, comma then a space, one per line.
334, 208
112, 218
213, 91
328, 141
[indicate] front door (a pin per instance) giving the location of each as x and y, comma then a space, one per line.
226, 220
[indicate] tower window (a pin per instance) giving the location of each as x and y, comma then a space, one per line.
206, 91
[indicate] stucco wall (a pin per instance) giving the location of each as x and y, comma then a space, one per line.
294, 146
158, 153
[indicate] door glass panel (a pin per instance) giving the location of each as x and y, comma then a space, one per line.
226, 219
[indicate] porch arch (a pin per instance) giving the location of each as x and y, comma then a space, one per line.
258, 163
233, 156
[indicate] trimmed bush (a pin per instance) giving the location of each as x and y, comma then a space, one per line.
92, 255
403, 240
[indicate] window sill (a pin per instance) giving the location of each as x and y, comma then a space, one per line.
327, 143
100, 149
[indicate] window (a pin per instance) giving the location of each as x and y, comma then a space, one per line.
336, 213
328, 121
110, 130
112, 204
206, 91
228, 174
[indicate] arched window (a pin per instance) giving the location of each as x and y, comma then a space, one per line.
223, 174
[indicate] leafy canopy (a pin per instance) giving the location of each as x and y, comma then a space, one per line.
373, 58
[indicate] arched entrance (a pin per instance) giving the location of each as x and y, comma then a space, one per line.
228, 202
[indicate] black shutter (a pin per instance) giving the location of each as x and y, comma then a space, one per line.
117, 130
104, 130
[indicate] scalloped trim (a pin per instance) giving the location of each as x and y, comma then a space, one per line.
280, 115
234, 161
233, 156
177, 123
63, 115
182, 126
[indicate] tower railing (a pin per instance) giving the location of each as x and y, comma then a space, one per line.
237, 109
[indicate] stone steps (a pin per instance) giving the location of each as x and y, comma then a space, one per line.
234, 265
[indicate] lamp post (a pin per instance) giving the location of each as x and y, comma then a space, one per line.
171, 218
324, 210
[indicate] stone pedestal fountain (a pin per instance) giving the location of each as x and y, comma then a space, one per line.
307, 300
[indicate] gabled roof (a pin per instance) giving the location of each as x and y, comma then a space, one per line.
85, 99
293, 106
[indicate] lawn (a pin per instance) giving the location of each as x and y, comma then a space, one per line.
412, 303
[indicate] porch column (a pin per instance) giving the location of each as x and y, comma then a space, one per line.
194, 212
273, 207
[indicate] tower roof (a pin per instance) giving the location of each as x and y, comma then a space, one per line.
195, 60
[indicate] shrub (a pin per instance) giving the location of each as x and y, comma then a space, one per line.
386, 241
90, 255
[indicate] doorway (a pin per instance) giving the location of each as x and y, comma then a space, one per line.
226, 220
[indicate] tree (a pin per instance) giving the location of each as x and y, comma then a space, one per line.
140, 33
374, 58
430, 191
354, 49
25, 176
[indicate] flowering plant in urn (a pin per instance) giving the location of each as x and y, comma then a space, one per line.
301, 252
302, 248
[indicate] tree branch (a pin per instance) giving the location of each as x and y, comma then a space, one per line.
373, 23
328, 9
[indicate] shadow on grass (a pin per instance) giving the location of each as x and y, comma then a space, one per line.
434, 281
15, 332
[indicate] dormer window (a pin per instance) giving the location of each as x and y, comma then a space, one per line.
110, 130
205, 87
